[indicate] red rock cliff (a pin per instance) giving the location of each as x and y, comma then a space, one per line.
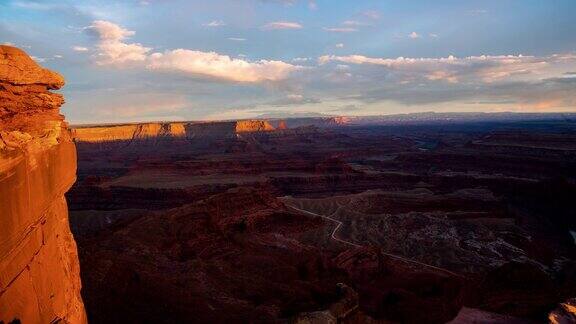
188, 130
39, 269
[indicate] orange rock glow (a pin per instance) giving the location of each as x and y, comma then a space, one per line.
39, 269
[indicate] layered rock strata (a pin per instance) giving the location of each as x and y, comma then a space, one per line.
39, 269
174, 130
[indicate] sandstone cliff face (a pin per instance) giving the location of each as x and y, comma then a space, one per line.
188, 130
253, 126
128, 132
39, 269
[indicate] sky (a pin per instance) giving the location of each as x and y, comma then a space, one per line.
169, 60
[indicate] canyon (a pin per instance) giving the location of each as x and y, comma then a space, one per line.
39, 269
427, 218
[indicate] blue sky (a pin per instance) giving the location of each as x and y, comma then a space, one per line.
224, 59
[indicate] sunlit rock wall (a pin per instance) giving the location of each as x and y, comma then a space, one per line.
39, 269
152, 131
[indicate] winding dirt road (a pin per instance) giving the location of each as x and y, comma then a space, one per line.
397, 257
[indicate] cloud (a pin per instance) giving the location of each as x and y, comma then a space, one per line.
414, 35
478, 12
340, 29
237, 39
79, 48
312, 5
339, 45
219, 66
512, 82
346, 108
292, 99
33, 5
118, 53
38, 59
282, 25
111, 48
372, 14
353, 23
108, 31
215, 23
485, 68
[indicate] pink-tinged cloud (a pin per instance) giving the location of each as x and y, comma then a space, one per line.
80, 49
111, 48
219, 66
485, 68
108, 31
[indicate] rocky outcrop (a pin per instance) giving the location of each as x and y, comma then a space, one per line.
345, 310
39, 269
168, 130
565, 313
472, 315
253, 126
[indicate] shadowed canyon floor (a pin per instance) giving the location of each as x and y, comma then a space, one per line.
356, 220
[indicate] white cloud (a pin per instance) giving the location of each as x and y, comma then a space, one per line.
219, 66
433, 35
113, 51
339, 45
215, 23
340, 29
282, 25
237, 39
353, 23
414, 35
118, 53
108, 31
38, 59
79, 48
111, 48
296, 97
487, 69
